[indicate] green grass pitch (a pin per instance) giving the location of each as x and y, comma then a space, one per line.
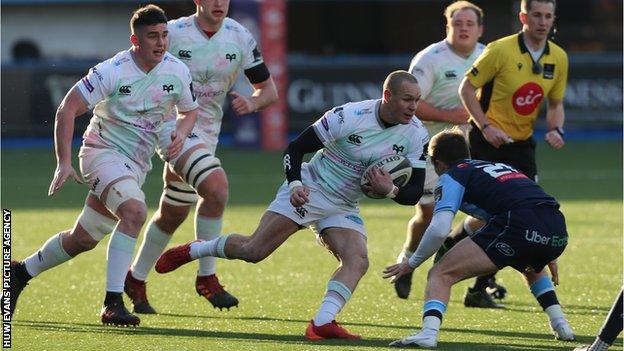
59, 309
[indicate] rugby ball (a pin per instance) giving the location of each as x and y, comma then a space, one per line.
399, 168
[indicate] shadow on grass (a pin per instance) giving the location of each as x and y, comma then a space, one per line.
375, 343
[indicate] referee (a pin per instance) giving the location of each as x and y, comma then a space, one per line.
503, 93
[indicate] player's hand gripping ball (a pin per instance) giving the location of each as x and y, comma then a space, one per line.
399, 168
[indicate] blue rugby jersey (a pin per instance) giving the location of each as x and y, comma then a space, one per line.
482, 189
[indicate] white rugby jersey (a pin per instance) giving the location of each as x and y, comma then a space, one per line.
440, 71
214, 63
354, 137
131, 105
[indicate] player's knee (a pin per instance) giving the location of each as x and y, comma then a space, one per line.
169, 218
252, 254
214, 189
83, 240
91, 227
199, 166
133, 213
358, 263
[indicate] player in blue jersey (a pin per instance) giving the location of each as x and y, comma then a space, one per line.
324, 193
524, 229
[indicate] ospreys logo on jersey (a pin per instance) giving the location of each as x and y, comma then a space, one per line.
355, 139
168, 88
184, 54
125, 90
230, 57
398, 148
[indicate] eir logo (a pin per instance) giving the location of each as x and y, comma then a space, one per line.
527, 98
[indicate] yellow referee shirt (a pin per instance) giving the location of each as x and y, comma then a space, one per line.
513, 86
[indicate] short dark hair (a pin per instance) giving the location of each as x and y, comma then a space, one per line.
395, 79
147, 16
525, 5
463, 5
449, 146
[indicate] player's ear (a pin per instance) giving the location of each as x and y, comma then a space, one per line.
523, 17
387, 95
134, 39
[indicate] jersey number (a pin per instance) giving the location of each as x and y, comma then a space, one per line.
497, 169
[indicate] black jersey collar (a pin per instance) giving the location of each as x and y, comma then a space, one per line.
524, 49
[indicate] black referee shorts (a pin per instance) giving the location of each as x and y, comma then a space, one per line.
519, 154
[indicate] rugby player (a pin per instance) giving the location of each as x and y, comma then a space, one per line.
524, 229
324, 194
439, 69
503, 92
214, 47
132, 94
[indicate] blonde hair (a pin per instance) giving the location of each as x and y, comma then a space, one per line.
463, 5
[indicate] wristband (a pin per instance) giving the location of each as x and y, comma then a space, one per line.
294, 184
558, 130
391, 194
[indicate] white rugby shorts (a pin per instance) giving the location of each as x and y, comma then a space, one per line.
100, 167
323, 211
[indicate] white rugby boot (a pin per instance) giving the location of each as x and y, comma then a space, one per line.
562, 330
426, 338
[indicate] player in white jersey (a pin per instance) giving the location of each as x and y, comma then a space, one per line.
131, 93
214, 47
324, 194
439, 69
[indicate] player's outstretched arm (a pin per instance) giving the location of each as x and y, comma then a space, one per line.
72, 106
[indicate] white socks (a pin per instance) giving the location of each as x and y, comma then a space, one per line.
212, 248
50, 255
154, 243
554, 312
118, 258
335, 298
207, 229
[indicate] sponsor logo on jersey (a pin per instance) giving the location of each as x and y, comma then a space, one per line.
549, 71
192, 91
505, 249
355, 139
519, 66
168, 88
418, 70
192, 135
363, 111
230, 57
301, 212
325, 124
355, 219
474, 71
87, 84
398, 148
437, 193
97, 73
450, 74
124, 90
95, 183
527, 98
257, 55
184, 54
120, 61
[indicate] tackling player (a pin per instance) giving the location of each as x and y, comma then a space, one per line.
524, 230
324, 194
214, 47
131, 94
439, 69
